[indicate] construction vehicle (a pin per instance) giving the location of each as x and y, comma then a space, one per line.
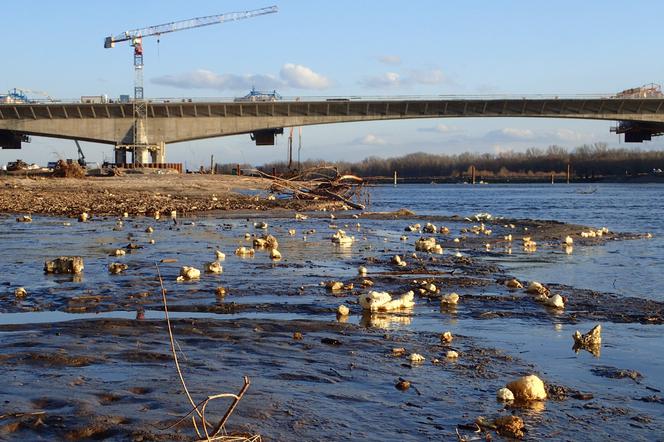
81, 155
254, 96
135, 37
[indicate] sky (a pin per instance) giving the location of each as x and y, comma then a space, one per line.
341, 48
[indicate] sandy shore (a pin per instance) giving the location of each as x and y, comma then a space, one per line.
140, 194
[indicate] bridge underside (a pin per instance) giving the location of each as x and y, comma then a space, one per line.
172, 122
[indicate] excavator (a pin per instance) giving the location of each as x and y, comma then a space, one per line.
81, 155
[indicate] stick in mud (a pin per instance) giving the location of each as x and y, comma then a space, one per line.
200, 407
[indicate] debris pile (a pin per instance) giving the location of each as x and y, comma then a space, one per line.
320, 183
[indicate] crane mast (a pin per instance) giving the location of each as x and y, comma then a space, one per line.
140, 145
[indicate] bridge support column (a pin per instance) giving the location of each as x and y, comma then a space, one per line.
120, 155
158, 153
141, 154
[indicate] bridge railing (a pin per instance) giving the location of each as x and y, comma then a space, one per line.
343, 98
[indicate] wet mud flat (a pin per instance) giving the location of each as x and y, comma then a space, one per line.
114, 378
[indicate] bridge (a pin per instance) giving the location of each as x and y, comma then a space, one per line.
177, 120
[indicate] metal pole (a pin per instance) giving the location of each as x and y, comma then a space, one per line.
395, 178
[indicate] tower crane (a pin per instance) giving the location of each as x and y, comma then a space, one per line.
135, 37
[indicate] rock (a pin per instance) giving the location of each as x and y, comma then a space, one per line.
367, 283
292, 232
20, 292
398, 351
342, 239
213, 267
535, 288
450, 299
446, 337
24, 219
362, 271
413, 228
396, 259
528, 388
334, 285
505, 395
513, 284
425, 244
509, 426
219, 255
275, 254
271, 197
437, 249
157, 215
149, 229
590, 341
403, 238
342, 310
151, 241
188, 273
116, 267
83, 217
220, 291
64, 264
119, 252
174, 214
260, 225
301, 217
298, 336
271, 242
451, 354
430, 228
259, 243
555, 301
402, 385
244, 252
416, 358
568, 240
382, 301
125, 215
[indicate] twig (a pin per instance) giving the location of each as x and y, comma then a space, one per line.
201, 406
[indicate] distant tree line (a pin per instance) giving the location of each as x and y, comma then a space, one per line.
586, 161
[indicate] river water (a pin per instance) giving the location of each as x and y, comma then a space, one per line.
267, 293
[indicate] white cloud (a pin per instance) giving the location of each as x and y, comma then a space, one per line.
302, 77
205, 79
371, 140
414, 77
390, 59
440, 128
290, 76
385, 81
427, 76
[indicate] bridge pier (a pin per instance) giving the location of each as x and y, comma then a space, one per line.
120, 155
158, 152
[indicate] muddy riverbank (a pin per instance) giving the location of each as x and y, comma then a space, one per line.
141, 194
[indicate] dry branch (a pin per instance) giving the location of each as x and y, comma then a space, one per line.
199, 408
319, 184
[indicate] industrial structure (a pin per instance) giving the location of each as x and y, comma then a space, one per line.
141, 144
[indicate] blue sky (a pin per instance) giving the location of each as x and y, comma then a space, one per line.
337, 48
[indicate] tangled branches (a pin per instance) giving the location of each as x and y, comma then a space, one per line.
320, 183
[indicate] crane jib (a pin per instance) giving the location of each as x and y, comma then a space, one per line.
197, 22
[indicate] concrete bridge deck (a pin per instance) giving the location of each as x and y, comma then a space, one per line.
176, 121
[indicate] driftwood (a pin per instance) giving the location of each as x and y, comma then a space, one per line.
320, 183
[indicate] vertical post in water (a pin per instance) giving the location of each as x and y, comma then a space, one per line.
238, 171
551, 177
472, 174
568, 170
211, 164
395, 178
